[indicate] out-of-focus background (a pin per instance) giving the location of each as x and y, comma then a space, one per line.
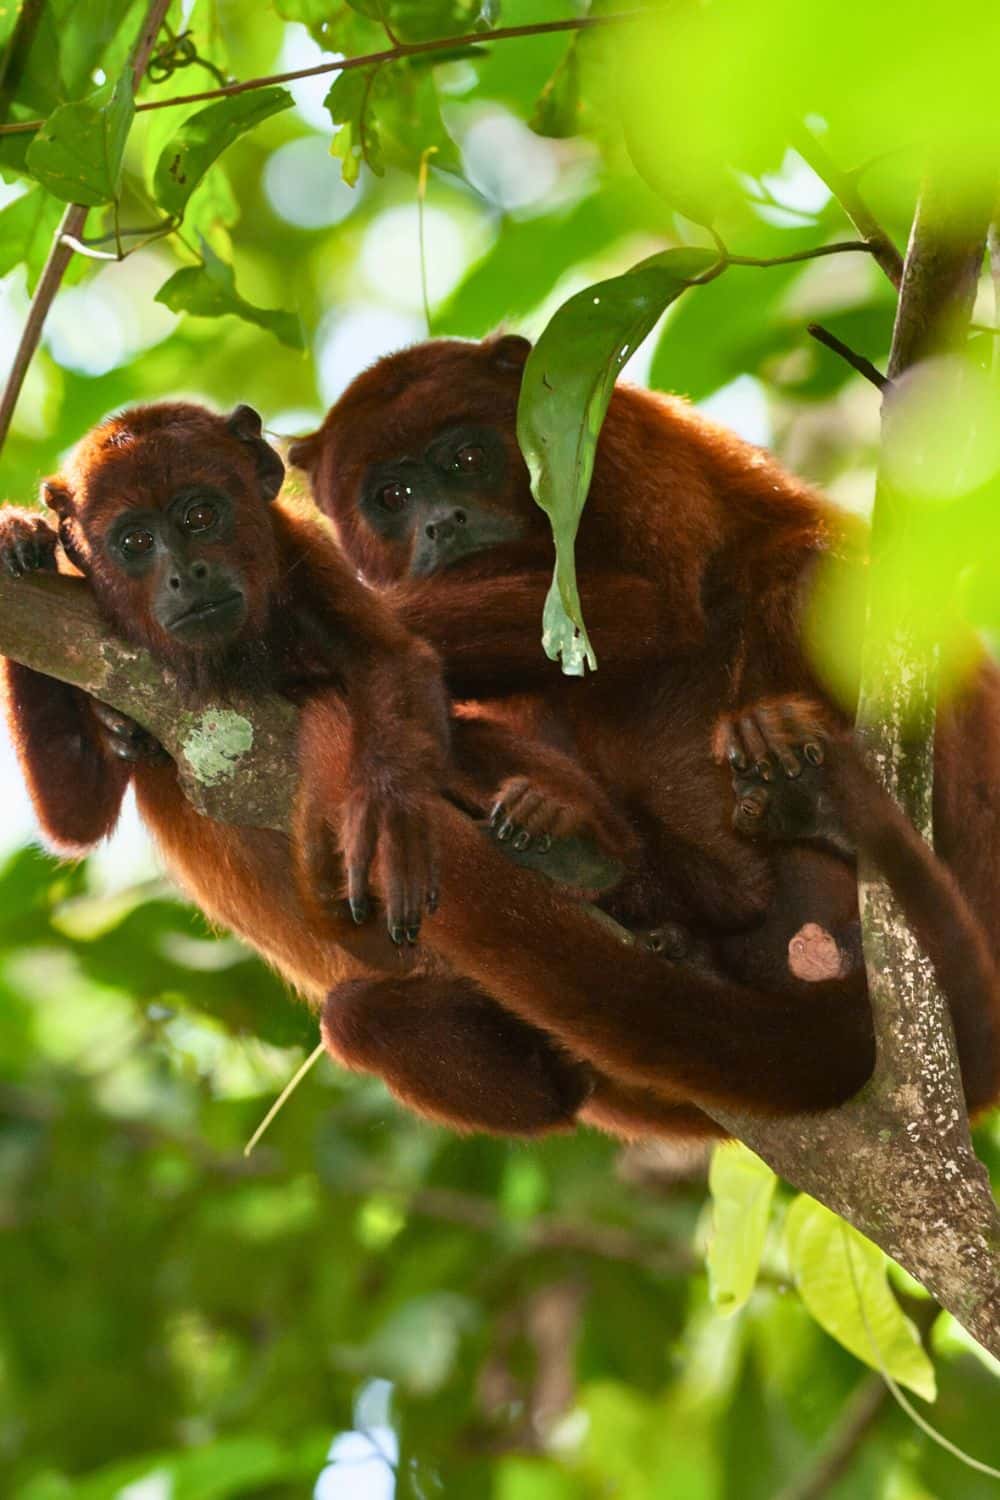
370, 1305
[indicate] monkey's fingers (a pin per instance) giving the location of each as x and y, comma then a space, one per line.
27, 545
359, 838
408, 866
777, 732
124, 738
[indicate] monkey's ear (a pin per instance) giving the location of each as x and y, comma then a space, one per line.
302, 453
58, 496
510, 351
244, 423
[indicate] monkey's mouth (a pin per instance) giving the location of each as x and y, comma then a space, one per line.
210, 617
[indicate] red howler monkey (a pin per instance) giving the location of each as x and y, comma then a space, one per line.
695, 554
168, 512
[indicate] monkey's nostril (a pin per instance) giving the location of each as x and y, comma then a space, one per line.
430, 530
175, 582
200, 571
460, 517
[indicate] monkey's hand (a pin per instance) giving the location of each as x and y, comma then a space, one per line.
124, 739
381, 828
390, 829
777, 749
27, 543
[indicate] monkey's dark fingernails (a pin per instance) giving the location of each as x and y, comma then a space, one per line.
396, 933
813, 753
360, 908
544, 843
496, 814
736, 758
523, 841
764, 769
433, 901
790, 764
412, 934
505, 830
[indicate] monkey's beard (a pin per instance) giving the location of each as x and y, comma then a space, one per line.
238, 669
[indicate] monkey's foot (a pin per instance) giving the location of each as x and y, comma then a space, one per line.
777, 749
541, 830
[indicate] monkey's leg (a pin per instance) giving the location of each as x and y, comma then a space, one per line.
449, 1052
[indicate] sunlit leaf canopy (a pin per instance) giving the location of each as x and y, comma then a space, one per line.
368, 1298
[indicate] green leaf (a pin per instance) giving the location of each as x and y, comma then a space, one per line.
77, 154
357, 140
841, 1278
742, 1187
203, 137
209, 291
27, 228
557, 109
565, 392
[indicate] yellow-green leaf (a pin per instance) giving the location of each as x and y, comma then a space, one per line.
841, 1278
567, 385
742, 1187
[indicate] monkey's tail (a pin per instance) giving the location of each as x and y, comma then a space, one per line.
937, 911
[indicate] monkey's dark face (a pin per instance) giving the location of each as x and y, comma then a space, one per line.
444, 503
166, 510
183, 556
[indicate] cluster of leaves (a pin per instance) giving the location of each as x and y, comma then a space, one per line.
217, 1327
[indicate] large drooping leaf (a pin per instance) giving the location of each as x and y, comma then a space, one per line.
77, 154
841, 1278
565, 392
203, 137
209, 291
742, 1187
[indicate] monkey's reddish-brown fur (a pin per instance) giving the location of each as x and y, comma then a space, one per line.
696, 552
372, 733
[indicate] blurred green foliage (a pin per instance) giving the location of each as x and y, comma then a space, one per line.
368, 1302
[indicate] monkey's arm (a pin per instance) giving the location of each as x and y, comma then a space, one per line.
488, 629
398, 730
75, 781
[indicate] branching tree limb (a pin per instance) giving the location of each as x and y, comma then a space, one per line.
897, 1160
910, 1182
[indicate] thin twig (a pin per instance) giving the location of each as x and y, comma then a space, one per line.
856, 361
840, 248
844, 188
859, 1415
70, 228
368, 60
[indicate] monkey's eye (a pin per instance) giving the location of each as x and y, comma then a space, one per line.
469, 460
200, 516
136, 542
395, 496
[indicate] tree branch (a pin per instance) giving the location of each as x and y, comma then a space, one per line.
70, 228
844, 189
919, 1192
368, 60
897, 1160
856, 361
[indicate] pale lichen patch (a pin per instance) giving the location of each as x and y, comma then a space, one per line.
216, 744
